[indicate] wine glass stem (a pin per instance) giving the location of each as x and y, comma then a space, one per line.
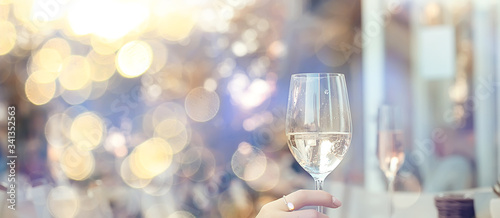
319, 186
391, 195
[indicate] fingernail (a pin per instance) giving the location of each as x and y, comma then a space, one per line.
336, 202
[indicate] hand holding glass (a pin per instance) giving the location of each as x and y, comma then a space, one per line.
318, 123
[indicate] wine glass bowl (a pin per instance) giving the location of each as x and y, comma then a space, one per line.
319, 153
318, 123
390, 145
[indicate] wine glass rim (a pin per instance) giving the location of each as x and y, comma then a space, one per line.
317, 75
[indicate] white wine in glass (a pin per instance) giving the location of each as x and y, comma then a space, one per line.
318, 123
390, 151
390, 145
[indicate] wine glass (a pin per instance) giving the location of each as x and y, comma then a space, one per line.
318, 123
390, 147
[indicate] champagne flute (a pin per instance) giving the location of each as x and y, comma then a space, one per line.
318, 123
390, 148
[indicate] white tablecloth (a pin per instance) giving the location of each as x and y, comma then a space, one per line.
359, 203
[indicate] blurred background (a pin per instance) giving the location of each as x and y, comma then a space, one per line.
129, 108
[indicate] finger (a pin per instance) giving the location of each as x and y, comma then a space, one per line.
305, 214
303, 198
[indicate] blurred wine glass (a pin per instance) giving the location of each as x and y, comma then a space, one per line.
318, 123
390, 145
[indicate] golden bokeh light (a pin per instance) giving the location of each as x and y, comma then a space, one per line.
208, 20
48, 59
176, 25
101, 59
169, 110
105, 46
46, 65
151, 158
239, 48
76, 97
22, 10
129, 177
44, 76
248, 162
268, 180
109, 19
63, 202
146, 80
8, 37
79, 20
75, 73
87, 131
39, 93
56, 130
160, 54
202, 105
5, 2
175, 80
76, 163
60, 45
174, 132
134, 58
102, 66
